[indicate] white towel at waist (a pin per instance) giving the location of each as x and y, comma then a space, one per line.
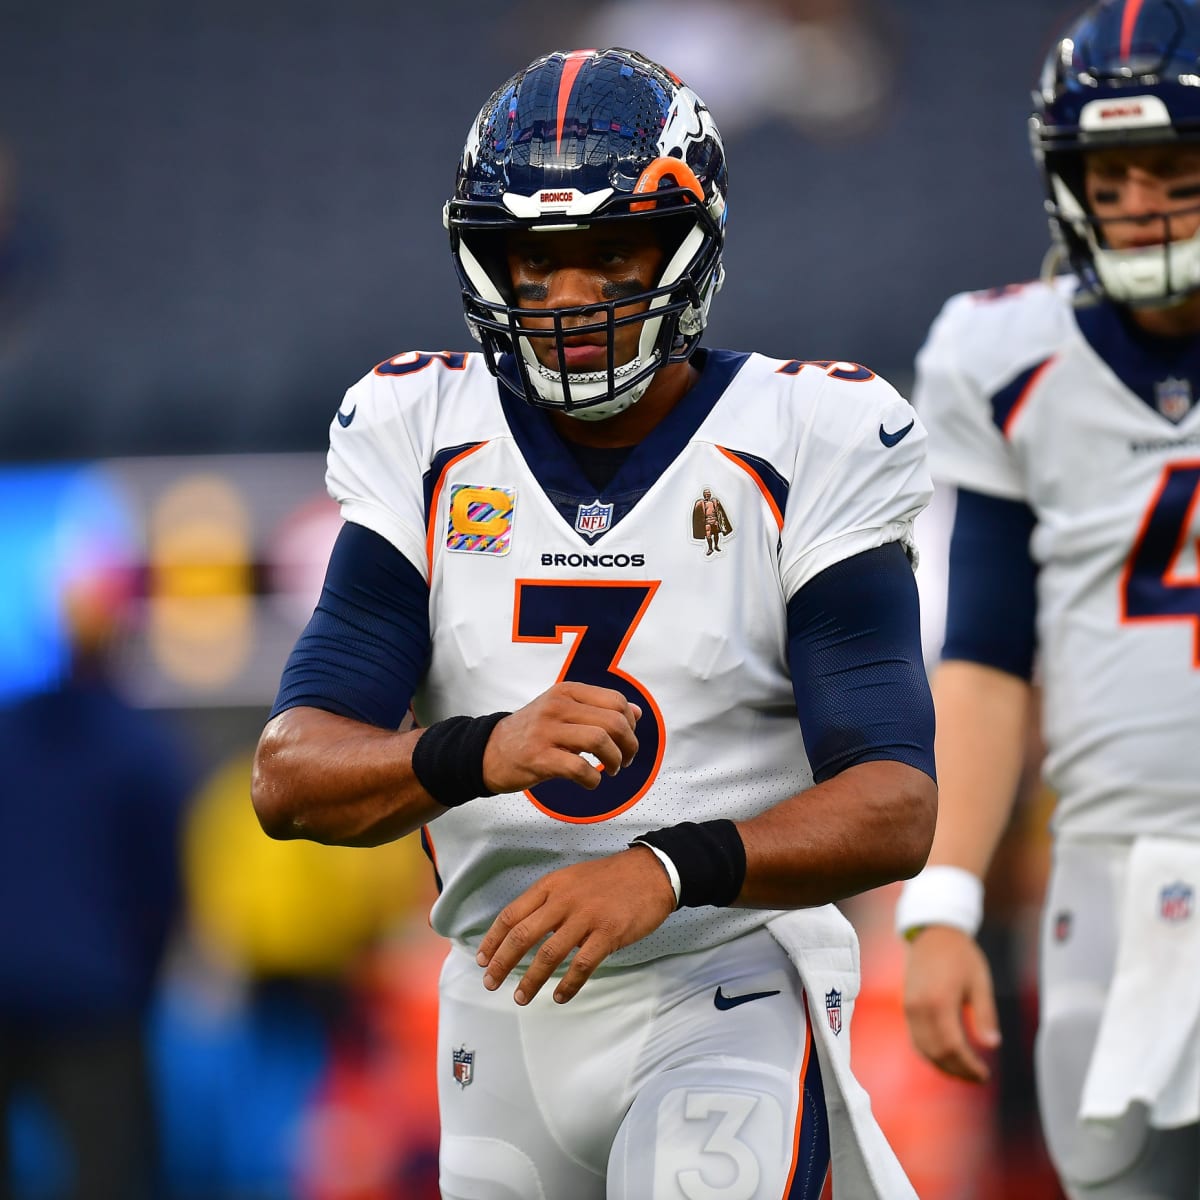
823, 947
1148, 1048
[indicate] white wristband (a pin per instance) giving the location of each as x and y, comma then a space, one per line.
668, 866
941, 895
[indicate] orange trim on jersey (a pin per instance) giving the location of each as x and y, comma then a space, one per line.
1128, 21
432, 855
572, 65
435, 499
799, 1129
1015, 411
430, 851
758, 483
556, 639
654, 174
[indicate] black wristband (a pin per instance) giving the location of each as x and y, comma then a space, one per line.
710, 859
448, 758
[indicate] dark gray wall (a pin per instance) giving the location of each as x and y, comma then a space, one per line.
230, 211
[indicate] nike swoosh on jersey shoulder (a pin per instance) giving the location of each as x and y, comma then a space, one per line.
893, 439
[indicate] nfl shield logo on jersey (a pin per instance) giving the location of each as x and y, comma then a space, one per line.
464, 1066
1175, 902
593, 519
833, 1009
1173, 398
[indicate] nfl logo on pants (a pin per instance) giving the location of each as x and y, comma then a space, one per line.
464, 1066
833, 1009
1175, 902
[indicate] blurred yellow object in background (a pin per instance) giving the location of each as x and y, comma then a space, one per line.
292, 908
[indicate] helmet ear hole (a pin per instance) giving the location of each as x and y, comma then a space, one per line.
490, 250
671, 233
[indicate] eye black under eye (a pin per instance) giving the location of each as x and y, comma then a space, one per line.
1185, 191
1106, 196
619, 289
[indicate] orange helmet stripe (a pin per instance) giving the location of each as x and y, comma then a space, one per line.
572, 65
1128, 22
650, 178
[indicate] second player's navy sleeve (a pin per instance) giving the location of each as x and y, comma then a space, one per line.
991, 603
854, 646
366, 646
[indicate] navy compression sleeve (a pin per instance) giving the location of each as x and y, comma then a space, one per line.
854, 646
991, 604
367, 644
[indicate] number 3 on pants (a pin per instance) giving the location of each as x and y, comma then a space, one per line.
1154, 586
603, 615
727, 1166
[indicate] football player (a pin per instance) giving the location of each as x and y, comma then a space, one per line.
643, 772
1064, 413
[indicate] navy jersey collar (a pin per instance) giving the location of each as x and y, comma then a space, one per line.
1163, 372
562, 478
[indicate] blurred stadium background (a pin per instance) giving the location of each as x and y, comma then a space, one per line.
216, 216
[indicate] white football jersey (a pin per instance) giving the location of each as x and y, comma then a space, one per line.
536, 576
1020, 405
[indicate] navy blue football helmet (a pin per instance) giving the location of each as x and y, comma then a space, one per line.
575, 140
1126, 73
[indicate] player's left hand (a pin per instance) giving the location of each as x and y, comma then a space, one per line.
592, 908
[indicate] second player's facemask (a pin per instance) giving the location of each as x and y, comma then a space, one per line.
1141, 275
575, 141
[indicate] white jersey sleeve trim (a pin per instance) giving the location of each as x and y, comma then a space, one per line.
870, 492
975, 347
377, 460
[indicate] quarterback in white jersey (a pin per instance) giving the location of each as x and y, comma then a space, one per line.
534, 577
1063, 414
653, 609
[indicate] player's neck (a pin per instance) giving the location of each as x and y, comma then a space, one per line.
1179, 321
632, 426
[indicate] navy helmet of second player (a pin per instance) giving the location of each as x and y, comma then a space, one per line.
1126, 74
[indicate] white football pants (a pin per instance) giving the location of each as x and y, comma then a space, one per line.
690, 1078
1130, 1160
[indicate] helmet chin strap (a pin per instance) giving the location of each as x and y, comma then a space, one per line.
587, 385
610, 408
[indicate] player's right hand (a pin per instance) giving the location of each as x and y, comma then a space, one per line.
549, 736
946, 978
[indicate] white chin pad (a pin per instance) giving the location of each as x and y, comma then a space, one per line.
586, 386
1149, 273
